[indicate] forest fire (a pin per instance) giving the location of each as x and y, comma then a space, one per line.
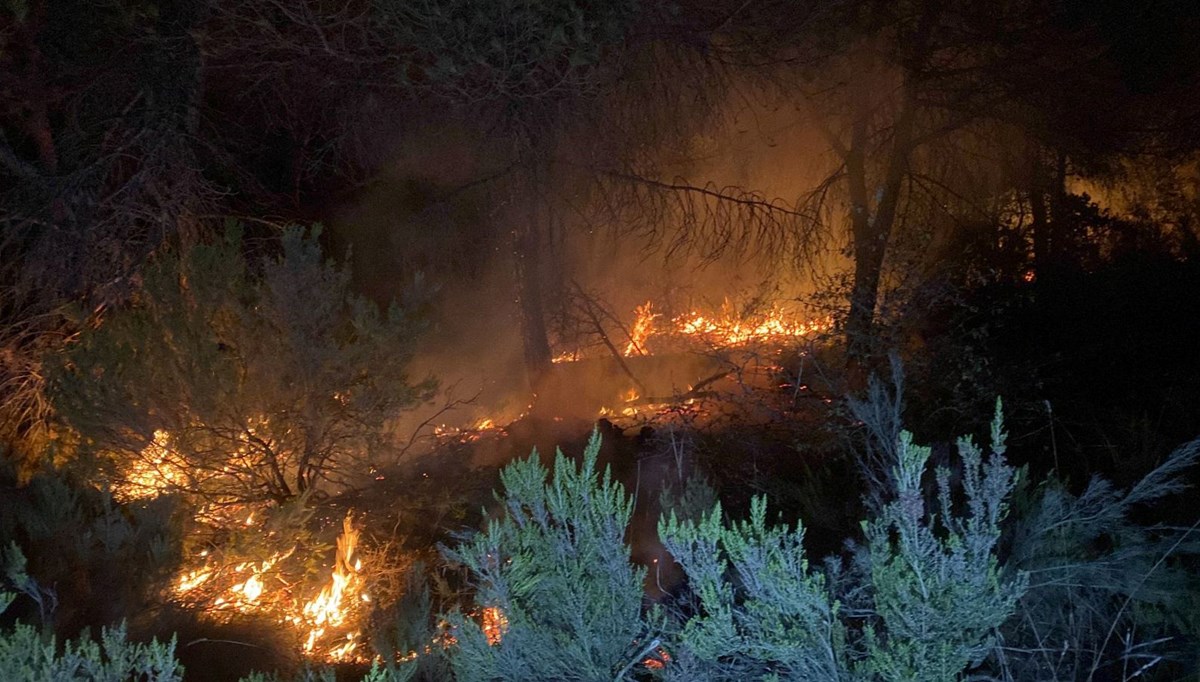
227, 583
329, 613
643, 327
224, 583
327, 623
156, 471
295, 295
729, 329
725, 328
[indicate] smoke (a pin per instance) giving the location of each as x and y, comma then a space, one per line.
446, 208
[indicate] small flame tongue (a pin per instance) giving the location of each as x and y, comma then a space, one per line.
643, 327
329, 609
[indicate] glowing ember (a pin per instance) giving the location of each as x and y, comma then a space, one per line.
495, 624
156, 470
658, 660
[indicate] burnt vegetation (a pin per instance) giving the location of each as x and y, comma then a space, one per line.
869, 330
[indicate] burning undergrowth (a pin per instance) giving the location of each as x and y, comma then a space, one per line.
664, 362
319, 571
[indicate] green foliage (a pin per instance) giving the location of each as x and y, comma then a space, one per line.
65, 543
377, 673
927, 592
762, 612
26, 655
939, 592
933, 583
1115, 591
692, 501
307, 675
409, 629
262, 379
557, 567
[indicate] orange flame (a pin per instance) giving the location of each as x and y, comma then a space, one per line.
156, 470
643, 327
330, 609
727, 327
329, 621
730, 329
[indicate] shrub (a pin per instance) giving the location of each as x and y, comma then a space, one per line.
556, 567
26, 655
80, 543
760, 610
936, 583
1105, 590
243, 381
923, 596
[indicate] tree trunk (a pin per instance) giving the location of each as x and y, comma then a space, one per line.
872, 230
527, 261
1047, 210
1041, 222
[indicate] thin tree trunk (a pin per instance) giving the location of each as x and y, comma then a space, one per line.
872, 230
1047, 209
527, 261
1041, 221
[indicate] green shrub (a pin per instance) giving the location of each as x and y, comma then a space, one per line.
926, 593
28, 656
72, 545
1105, 591
556, 565
935, 579
760, 610
240, 381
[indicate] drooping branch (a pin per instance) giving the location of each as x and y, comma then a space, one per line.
711, 220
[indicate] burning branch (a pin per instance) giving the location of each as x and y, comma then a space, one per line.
593, 310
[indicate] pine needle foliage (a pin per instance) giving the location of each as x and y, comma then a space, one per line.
557, 567
1108, 595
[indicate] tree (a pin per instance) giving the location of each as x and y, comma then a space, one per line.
241, 381
525, 67
917, 99
98, 167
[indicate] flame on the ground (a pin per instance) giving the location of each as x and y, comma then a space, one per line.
485, 426
327, 614
730, 329
724, 328
643, 327
327, 623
